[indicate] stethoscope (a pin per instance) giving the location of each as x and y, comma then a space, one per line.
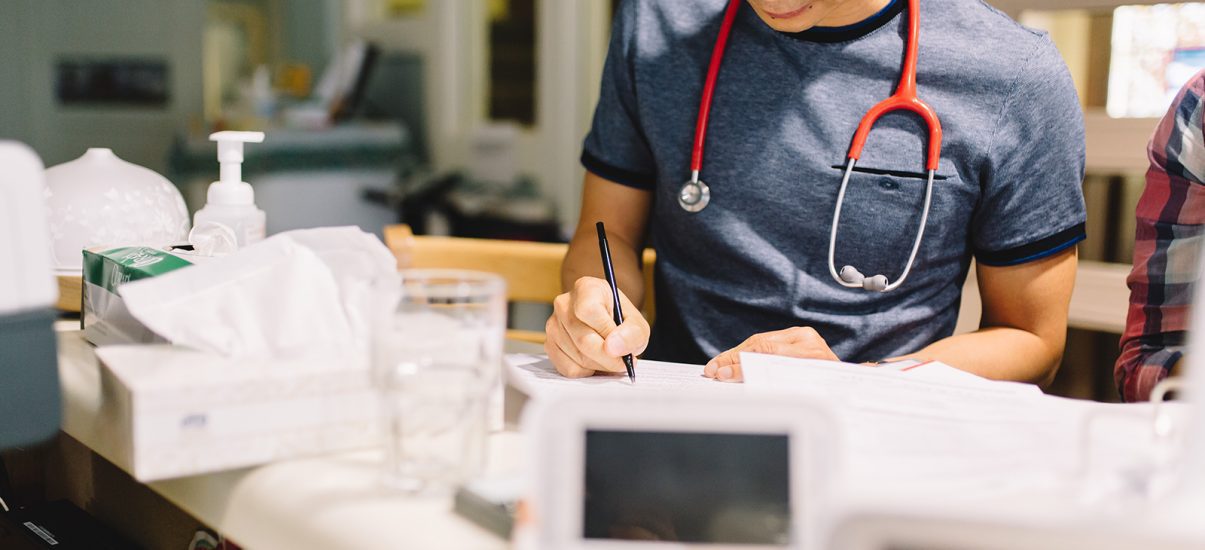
695, 195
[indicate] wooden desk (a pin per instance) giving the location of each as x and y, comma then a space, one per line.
333, 501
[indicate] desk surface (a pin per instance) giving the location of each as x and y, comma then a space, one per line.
333, 501
336, 501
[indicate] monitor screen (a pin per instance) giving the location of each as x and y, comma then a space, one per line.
688, 487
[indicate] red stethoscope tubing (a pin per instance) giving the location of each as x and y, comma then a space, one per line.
713, 72
904, 98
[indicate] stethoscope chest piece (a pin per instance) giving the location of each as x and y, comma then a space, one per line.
694, 196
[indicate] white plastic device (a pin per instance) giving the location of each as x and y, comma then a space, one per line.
895, 531
26, 275
230, 201
557, 430
100, 199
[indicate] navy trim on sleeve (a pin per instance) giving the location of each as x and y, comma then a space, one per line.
618, 175
1038, 249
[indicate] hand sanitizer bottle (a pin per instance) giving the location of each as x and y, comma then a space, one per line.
230, 203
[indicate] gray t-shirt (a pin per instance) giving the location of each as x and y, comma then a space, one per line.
784, 113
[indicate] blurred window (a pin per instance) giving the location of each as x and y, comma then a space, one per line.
512, 61
1156, 50
238, 38
1129, 61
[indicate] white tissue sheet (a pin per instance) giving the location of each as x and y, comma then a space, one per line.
356, 260
297, 294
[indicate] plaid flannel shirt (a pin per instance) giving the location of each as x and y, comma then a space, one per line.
1171, 215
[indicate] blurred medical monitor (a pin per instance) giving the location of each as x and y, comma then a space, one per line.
640, 469
696, 487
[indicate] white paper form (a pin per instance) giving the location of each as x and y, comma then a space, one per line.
535, 374
934, 371
951, 438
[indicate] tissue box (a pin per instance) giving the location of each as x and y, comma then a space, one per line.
177, 412
103, 316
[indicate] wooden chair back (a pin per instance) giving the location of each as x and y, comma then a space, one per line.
532, 271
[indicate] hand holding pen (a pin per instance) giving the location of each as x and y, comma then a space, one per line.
582, 335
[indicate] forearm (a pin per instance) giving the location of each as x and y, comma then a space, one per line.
1024, 325
1000, 353
625, 211
583, 260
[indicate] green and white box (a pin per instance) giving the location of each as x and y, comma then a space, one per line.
105, 319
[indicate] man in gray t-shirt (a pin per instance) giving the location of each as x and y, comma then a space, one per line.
750, 271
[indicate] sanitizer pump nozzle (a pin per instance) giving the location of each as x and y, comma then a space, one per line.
230, 204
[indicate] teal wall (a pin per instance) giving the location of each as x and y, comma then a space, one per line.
36, 33
310, 31
14, 93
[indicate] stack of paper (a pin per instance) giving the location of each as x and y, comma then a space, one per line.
534, 375
944, 433
910, 430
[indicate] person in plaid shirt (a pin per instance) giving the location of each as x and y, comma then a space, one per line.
1171, 215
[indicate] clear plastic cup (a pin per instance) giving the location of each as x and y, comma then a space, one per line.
437, 358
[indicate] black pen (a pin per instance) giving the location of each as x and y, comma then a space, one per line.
609, 270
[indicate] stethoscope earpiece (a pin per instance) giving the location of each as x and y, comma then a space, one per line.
854, 278
878, 283
851, 275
